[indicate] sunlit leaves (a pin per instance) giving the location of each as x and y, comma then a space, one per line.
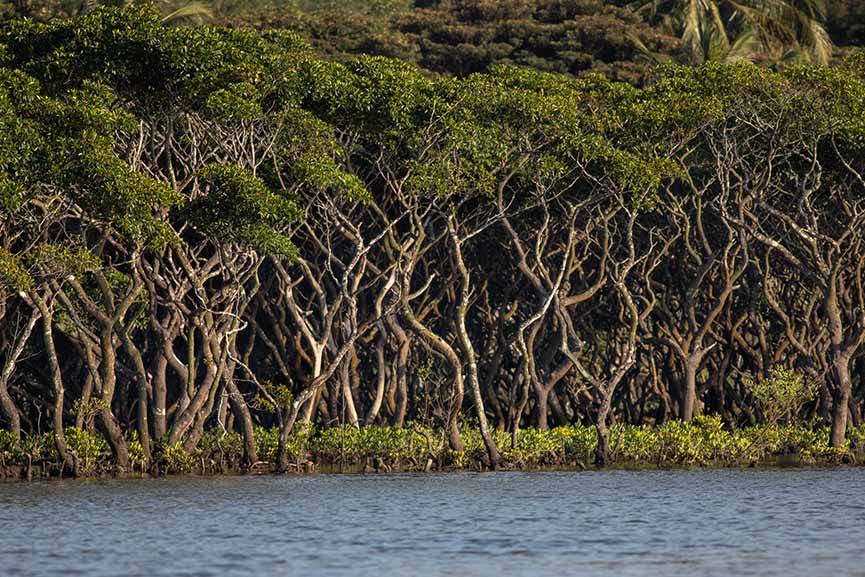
782, 394
13, 273
238, 207
234, 103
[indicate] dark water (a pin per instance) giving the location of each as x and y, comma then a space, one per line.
695, 523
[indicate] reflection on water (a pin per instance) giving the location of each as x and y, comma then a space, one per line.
696, 523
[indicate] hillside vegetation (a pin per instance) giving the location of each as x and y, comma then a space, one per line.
621, 39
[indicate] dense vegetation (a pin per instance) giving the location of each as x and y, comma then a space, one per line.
464, 37
621, 39
214, 242
704, 442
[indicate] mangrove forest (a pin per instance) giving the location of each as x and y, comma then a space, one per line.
221, 249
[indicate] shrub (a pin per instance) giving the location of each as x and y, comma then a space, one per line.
266, 443
91, 449
220, 449
176, 461
10, 446
136, 452
704, 441
782, 394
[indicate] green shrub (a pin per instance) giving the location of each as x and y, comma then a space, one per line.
220, 449
136, 453
782, 395
856, 435
10, 447
704, 441
91, 448
535, 447
579, 442
176, 461
266, 443
298, 441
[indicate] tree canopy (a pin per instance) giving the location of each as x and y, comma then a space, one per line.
207, 228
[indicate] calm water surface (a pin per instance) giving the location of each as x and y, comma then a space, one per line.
700, 523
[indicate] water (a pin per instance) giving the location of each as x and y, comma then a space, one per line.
617, 523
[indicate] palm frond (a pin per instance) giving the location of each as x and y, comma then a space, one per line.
193, 12
745, 47
817, 42
643, 51
788, 25
697, 35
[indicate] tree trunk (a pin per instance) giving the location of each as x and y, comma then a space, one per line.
456, 442
241, 410
401, 370
561, 418
541, 407
841, 398
318, 357
57, 383
113, 431
142, 384
602, 452
86, 391
160, 394
185, 420
348, 398
7, 405
689, 398
378, 397
840, 366
469, 350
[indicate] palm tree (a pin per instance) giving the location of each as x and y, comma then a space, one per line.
729, 30
174, 12
193, 12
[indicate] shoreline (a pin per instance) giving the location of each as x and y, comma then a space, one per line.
704, 442
358, 470
779, 462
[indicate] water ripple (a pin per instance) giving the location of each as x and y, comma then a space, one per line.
788, 523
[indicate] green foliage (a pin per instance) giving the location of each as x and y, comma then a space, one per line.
59, 261
267, 443
20, 139
782, 395
469, 36
856, 436
279, 392
298, 441
618, 38
701, 442
238, 207
10, 446
91, 449
131, 51
175, 460
68, 143
135, 450
352, 445
536, 447
234, 103
35, 447
728, 31
128, 198
13, 272
220, 450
